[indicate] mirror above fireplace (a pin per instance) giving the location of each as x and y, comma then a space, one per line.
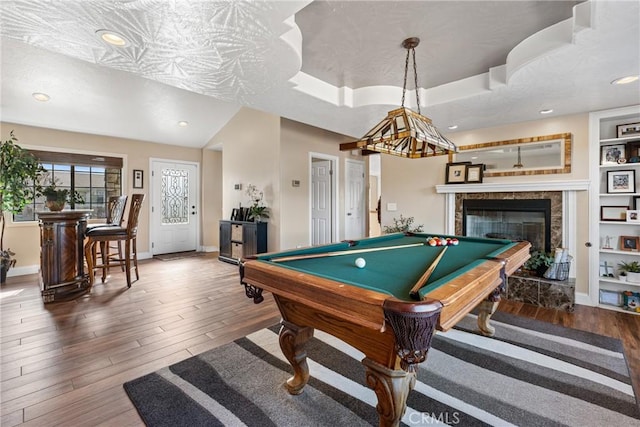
539, 155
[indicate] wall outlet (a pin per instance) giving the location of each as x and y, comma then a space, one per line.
392, 207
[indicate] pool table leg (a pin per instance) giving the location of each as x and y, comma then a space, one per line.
486, 309
292, 343
392, 386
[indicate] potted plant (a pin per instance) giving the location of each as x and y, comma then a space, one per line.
632, 270
58, 197
538, 263
404, 224
19, 173
257, 210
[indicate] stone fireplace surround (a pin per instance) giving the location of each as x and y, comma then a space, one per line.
532, 290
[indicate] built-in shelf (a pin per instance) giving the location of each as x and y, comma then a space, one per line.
620, 166
613, 251
618, 282
618, 194
620, 309
619, 223
603, 126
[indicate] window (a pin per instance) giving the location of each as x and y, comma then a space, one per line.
94, 178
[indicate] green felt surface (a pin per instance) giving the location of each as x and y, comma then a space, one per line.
394, 271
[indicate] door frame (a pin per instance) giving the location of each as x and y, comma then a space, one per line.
152, 228
334, 194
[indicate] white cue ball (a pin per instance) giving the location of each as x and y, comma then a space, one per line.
360, 262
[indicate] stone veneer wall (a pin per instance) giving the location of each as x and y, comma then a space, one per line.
556, 209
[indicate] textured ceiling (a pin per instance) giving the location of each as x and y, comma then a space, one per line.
334, 65
338, 38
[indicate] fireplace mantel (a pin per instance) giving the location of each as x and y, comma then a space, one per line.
499, 187
569, 188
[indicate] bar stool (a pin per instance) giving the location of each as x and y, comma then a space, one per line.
115, 214
107, 234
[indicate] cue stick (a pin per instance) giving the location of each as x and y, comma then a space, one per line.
423, 279
347, 252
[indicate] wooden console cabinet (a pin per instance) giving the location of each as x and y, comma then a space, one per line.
240, 239
61, 254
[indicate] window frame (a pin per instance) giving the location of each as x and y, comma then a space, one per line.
110, 165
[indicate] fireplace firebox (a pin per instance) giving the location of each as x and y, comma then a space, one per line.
514, 219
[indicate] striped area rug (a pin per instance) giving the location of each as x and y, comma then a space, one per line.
530, 374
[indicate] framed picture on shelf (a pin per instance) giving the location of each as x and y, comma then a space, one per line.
629, 129
636, 203
612, 154
629, 243
633, 215
610, 297
474, 173
613, 213
633, 151
456, 173
621, 181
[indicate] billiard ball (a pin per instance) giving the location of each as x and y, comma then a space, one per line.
360, 262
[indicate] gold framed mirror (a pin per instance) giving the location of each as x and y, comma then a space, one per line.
538, 155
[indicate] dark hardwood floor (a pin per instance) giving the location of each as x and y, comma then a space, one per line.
64, 363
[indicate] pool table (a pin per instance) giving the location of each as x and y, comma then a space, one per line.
373, 309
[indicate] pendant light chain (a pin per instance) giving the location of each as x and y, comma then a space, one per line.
415, 77
404, 84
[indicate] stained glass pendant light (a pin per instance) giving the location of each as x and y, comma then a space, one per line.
404, 132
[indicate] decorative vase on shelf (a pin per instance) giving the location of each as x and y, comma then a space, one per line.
633, 277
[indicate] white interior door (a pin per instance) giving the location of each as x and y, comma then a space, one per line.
174, 207
321, 202
354, 224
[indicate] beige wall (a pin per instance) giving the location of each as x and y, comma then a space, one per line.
269, 152
23, 238
298, 141
211, 190
410, 183
250, 144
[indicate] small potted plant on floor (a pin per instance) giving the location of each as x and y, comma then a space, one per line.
632, 269
401, 225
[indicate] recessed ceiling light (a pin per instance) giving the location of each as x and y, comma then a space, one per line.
113, 38
453, 127
183, 123
625, 80
42, 97
546, 111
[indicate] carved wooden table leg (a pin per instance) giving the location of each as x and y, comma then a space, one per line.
292, 341
392, 388
486, 309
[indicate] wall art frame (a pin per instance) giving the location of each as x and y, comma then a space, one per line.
621, 181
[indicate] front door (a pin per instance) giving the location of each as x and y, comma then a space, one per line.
174, 207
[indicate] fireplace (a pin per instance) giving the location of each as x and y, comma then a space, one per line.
536, 216
523, 219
